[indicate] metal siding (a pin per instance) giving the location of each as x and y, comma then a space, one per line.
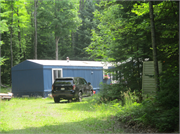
47, 78
27, 82
68, 73
94, 78
32, 78
74, 71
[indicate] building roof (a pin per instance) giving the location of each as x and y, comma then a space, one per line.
70, 63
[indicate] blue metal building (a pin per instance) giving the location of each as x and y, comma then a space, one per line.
35, 77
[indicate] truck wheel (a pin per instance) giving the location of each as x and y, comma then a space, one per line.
69, 100
79, 99
56, 100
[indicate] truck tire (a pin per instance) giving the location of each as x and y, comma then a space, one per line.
56, 99
79, 99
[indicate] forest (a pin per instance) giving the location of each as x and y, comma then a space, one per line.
103, 30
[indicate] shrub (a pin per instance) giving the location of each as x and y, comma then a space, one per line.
115, 92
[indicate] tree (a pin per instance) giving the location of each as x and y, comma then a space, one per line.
124, 33
62, 18
83, 34
11, 29
62, 27
123, 36
17, 43
154, 47
3, 28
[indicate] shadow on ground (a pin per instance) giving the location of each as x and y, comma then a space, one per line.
80, 106
90, 125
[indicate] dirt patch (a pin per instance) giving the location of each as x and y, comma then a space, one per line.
133, 127
138, 128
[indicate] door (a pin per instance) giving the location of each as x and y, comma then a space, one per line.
81, 86
56, 73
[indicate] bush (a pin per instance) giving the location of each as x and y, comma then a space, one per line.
5, 90
115, 92
161, 111
168, 100
152, 114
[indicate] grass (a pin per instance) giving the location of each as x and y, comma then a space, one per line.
5, 90
92, 115
38, 115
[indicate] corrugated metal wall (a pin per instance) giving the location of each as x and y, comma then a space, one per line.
94, 75
27, 79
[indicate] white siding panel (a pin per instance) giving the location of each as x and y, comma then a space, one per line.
148, 83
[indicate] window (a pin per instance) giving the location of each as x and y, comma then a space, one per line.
84, 81
106, 75
81, 81
56, 73
67, 81
76, 81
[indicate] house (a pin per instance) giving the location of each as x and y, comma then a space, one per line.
35, 77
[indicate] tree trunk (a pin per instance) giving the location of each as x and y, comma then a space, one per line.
139, 79
32, 35
11, 42
73, 44
35, 27
0, 65
11, 38
0, 54
154, 46
57, 37
19, 37
81, 5
57, 40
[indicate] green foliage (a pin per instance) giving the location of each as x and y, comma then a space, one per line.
82, 37
111, 31
56, 19
2, 60
5, 90
50, 14
150, 114
3, 22
163, 110
123, 37
20, 24
110, 93
3, 27
116, 92
168, 97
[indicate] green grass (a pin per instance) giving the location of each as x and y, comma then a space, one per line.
38, 115
5, 90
